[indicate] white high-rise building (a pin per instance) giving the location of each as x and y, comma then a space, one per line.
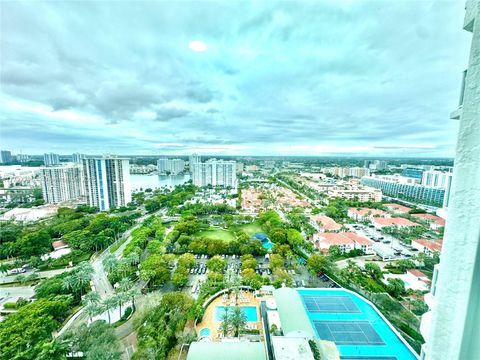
51, 159
454, 331
437, 179
107, 182
170, 166
77, 158
5, 157
440, 180
215, 172
61, 183
193, 159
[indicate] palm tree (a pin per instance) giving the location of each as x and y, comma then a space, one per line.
127, 287
238, 320
82, 278
69, 283
225, 324
120, 298
133, 258
91, 298
109, 263
109, 304
91, 302
92, 309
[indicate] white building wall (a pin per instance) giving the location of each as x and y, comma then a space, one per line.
455, 330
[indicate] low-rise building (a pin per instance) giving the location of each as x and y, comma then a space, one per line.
397, 208
361, 214
380, 223
324, 223
357, 192
428, 247
346, 241
435, 222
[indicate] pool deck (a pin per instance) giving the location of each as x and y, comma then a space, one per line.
210, 322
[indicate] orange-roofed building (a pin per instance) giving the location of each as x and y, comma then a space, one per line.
325, 223
345, 241
59, 244
436, 222
380, 223
428, 247
361, 243
418, 275
397, 208
360, 214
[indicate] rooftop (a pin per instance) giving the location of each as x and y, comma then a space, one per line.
432, 218
368, 212
344, 238
326, 222
417, 273
232, 350
291, 348
394, 222
357, 328
398, 207
432, 245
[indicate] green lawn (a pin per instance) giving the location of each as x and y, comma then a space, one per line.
229, 235
217, 234
251, 229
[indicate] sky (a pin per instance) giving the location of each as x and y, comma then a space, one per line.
366, 78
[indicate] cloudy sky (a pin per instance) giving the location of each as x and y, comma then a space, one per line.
254, 78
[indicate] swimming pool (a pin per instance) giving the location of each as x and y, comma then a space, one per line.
267, 245
353, 324
263, 238
205, 332
249, 311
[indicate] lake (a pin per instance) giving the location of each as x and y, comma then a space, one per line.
141, 181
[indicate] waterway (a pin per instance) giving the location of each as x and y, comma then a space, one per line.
142, 182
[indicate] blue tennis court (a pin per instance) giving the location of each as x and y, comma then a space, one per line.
348, 332
354, 325
368, 358
330, 304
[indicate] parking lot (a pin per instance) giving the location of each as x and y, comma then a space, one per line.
386, 246
301, 277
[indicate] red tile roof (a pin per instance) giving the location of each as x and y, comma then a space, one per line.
432, 245
398, 207
343, 239
417, 273
326, 222
432, 218
394, 222
367, 211
335, 239
358, 239
58, 244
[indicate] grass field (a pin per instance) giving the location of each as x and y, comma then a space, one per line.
217, 234
229, 235
251, 229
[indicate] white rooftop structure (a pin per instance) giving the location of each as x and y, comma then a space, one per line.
291, 348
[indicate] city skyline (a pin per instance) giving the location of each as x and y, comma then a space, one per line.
331, 79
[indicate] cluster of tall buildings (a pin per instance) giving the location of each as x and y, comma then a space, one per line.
433, 188
105, 181
356, 172
170, 166
375, 164
215, 173
51, 159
